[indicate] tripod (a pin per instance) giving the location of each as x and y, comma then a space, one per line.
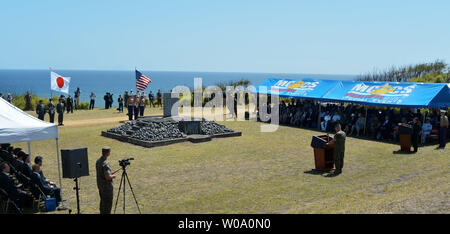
123, 181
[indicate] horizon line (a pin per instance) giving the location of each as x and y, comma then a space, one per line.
251, 72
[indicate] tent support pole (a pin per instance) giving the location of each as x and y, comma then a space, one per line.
29, 149
365, 121
59, 166
318, 115
423, 122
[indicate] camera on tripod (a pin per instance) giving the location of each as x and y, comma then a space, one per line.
124, 179
125, 162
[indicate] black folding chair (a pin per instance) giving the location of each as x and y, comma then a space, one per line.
35, 190
7, 201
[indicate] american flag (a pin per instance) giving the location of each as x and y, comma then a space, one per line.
142, 81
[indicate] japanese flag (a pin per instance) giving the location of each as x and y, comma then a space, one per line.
59, 83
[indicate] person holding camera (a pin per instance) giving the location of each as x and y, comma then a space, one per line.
105, 181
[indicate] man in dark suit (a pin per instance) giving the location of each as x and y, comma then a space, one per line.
51, 111
110, 100
46, 188
60, 111
385, 129
38, 160
69, 104
23, 168
415, 135
4, 155
106, 98
16, 195
26, 166
17, 163
40, 110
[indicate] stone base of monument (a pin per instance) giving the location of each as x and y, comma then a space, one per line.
159, 131
196, 138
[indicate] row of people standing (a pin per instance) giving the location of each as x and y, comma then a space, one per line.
51, 110
122, 101
135, 103
151, 98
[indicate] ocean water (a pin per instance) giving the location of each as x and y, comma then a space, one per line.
116, 82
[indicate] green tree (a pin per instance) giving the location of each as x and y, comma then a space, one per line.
436, 77
407, 73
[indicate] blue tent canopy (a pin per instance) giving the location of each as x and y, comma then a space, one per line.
398, 94
305, 88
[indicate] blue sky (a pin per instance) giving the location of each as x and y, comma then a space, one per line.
325, 37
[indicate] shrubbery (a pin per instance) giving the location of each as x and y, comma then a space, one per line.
19, 101
84, 105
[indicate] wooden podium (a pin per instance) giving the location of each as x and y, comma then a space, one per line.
323, 152
405, 132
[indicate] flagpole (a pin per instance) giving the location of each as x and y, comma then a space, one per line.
51, 92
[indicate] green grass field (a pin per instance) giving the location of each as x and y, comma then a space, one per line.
255, 173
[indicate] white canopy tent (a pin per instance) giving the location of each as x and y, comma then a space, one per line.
18, 126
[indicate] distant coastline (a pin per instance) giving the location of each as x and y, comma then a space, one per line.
19, 81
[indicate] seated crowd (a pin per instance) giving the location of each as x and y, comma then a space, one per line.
21, 182
382, 123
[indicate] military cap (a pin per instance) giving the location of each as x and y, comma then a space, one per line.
106, 149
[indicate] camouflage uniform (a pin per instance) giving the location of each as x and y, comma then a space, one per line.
105, 187
339, 151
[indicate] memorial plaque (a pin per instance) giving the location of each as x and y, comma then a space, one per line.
168, 103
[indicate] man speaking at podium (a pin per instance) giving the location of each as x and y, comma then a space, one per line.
339, 149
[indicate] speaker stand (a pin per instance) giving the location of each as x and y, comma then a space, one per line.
76, 188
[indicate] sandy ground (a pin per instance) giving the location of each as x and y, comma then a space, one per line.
123, 118
92, 122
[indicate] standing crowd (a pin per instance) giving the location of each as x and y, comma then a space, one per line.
135, 103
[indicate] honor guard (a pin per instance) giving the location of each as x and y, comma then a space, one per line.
130, 102
136, 105
142, 103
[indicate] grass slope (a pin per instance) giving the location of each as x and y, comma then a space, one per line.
255, 173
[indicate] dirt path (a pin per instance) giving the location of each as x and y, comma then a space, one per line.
92, 122
117, 120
